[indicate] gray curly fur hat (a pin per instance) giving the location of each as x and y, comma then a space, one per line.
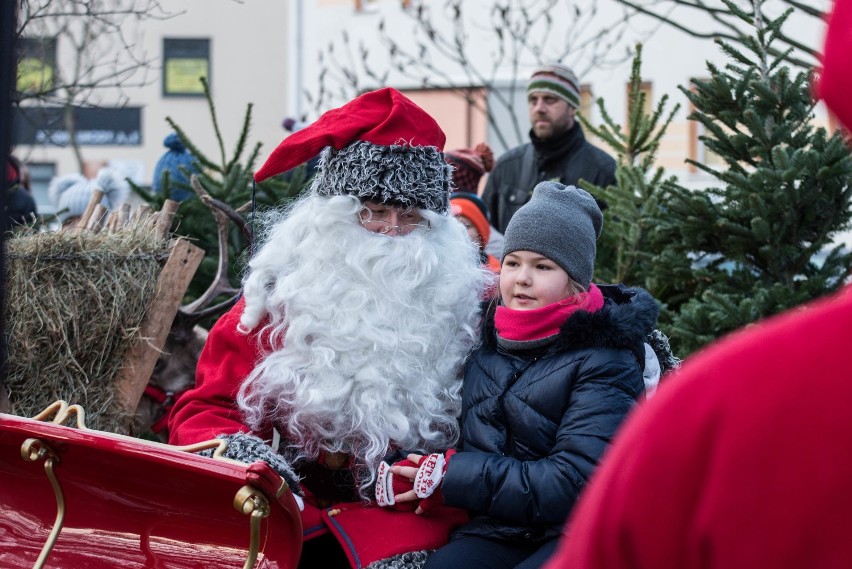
408, 176
412, 560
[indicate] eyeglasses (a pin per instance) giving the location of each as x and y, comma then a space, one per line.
385, 227
377, 218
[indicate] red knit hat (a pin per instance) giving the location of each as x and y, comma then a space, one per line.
383, 147
470, 164
463, 205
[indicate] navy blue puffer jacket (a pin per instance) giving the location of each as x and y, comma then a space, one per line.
534, 425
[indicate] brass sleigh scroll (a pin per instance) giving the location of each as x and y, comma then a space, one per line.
248, 500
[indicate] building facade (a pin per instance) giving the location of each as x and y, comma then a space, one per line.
240, 47
300, 57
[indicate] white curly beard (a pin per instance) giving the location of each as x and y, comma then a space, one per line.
374, 330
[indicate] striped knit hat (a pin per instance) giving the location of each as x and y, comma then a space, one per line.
556, 79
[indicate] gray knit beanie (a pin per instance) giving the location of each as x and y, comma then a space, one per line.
562, 223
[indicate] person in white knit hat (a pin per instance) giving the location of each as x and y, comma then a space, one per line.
70, 194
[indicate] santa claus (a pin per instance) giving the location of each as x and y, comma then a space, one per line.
358, 310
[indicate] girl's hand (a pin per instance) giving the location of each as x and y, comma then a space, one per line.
410, 473
426, 479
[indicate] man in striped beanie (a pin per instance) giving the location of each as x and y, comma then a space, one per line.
557, 151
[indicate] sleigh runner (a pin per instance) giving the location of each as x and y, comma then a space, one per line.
74, 497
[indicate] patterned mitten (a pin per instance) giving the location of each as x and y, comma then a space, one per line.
430, 475
389, 486
659, 342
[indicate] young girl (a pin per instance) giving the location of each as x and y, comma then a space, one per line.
559, 366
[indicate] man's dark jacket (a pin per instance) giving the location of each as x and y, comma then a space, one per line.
517, 172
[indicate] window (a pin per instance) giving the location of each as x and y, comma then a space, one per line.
369, 6
463, 118
587, 101
645, 89
366, 5
698, 151
36, 65
185, 62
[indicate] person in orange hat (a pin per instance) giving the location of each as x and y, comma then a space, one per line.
470, 210
358, 310
469, 165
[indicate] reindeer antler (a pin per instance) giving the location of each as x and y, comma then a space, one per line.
222, 213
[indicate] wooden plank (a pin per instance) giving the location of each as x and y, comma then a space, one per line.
178, 271
124, 215
96, 221
164, 220
94, 201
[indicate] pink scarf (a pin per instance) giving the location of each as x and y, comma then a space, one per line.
538, 323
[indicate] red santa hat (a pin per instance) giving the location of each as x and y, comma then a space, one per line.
381, 147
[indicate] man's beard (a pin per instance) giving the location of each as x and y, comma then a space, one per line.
372, 331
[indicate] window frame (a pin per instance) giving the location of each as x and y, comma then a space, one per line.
190, 50
41, 50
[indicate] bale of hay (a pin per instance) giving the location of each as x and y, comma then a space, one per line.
75, 301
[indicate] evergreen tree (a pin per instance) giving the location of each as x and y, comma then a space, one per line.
625, 249
230, 181
760, 241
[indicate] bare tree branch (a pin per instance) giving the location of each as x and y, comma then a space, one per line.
99, 52
683, 15
445, 47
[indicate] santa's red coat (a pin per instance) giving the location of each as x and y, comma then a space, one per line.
743, 459
210, 408
366, 532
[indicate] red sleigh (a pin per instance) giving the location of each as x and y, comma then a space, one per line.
73, 497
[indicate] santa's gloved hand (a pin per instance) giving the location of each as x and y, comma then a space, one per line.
247, 448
